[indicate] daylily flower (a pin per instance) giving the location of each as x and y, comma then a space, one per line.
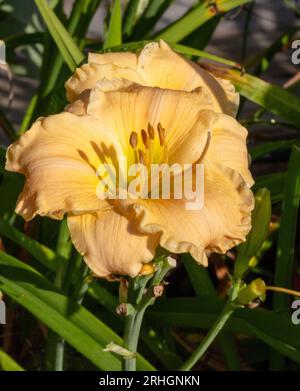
111, 117
156, 66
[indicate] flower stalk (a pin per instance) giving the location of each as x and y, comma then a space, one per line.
142, 292
220, 322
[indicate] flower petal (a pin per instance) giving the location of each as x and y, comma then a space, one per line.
121, 59
228, 146
161, 67
87, 76
184, 115
223, 222
59, 157
111, 244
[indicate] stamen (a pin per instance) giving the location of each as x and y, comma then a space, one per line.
151, 131
162, 134
145, 139
204, 152
142, 157
133, 139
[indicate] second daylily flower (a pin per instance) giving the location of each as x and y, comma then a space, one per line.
60, 154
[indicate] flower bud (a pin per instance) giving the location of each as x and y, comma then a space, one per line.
255, 290
125, 309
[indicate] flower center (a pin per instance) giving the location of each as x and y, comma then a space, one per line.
149, 146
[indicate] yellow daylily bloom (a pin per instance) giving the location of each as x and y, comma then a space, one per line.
114, 118
157, 65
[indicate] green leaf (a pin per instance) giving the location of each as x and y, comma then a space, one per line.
286, 242
23, 39
67, 47
274, 183
275, 99
130, 16
261, 217
134, 46
182, 49
199, 313
287, 231
7, 363
202, 35
10, 185
45, 255
272, 146
149, 18
263, 60
196, 17
114, 34
74, 323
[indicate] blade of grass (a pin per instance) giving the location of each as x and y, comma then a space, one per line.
130, 17
262, 60
199, 313
114, 34
74, 323
182, 49
275, 99
196, 17
23, 39
272, 146
45, 255
53, 261
55, 344
274, 183
7, 363
286, 243
67, 47
287, 231
149, 18
202, 35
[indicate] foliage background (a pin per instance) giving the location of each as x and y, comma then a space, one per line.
58, 317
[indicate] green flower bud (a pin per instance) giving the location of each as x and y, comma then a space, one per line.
255, 290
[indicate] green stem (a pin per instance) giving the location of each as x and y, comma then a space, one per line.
130, 342
210, 337
140, 301
227, 311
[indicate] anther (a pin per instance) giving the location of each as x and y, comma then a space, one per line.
145, 139
162, 134
142, 157
133, 139
151, 131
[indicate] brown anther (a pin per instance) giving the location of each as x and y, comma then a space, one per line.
158, 290
142, 157
151, 131
162, 134
145, 139
133, 139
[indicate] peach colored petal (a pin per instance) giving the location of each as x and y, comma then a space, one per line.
160, 66
79, 106
228, 146
184, 115
111, 244
87, 76
121, 59
59, 157
222, 223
